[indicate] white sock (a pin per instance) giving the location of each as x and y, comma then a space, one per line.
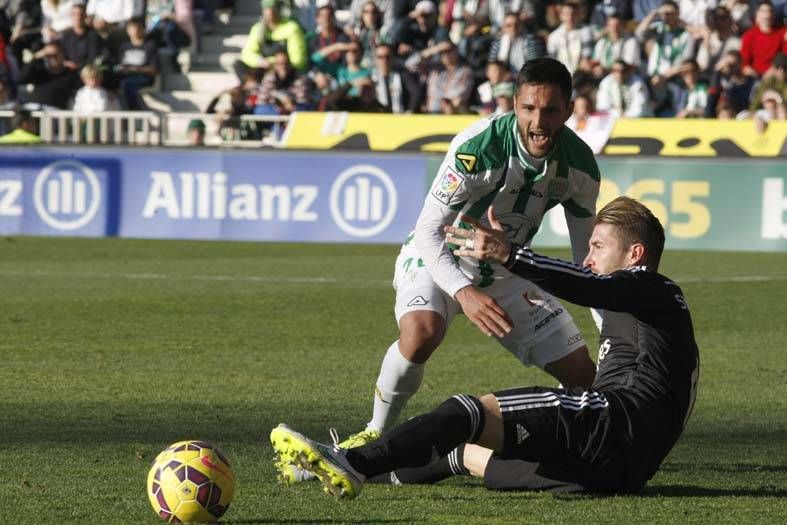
399, 379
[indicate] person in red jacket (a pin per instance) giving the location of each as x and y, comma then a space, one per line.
762, 42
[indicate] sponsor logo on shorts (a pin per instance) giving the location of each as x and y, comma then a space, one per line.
548, 319
574, 339
418, 301
536, 193
521, 433
533, 298
447, 186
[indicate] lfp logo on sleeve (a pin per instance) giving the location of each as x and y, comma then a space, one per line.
448, 185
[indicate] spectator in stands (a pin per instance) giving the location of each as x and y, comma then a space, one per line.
583, 109
367, 30
23, 31
515, 45
92, 98
475, 44
137, 64
615, 44
496, 72
268, 35
81, 44
195, 132
503, 94
729, 89
230, 104
693, 15
775, 79
717, 38
169, 35
24, 129
772, 109
449, 84
388, 84
365, 101
8, 68
385, 8
666, 42
325, 56
115, 11
416, 32
572, 42
761, 43
352, 69
692, 97
56, 16
740, 10
54, 84
624, 92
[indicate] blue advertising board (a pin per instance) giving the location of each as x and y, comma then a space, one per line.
210, 194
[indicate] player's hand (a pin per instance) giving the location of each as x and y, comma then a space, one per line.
484, 312
480, 243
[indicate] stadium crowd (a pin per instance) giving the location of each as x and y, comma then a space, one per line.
634, 58
91, 55
637, 58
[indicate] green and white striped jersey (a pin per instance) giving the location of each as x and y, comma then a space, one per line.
488, 165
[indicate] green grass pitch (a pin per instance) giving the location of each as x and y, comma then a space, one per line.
112, 349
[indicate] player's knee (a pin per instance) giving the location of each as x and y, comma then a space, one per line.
420, 336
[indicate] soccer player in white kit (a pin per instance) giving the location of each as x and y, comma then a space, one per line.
521, 163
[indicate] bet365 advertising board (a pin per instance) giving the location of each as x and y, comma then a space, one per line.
716, 204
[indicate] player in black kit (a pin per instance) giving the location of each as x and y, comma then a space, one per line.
610, 438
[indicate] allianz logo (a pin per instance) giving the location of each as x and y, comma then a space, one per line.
362, 199
66, 195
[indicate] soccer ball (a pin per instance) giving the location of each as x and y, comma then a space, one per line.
190, 481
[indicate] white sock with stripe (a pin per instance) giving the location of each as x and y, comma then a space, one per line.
398, 381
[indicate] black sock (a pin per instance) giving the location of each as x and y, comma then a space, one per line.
460, 419
451, 465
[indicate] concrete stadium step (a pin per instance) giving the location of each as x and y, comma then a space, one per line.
247, 7
220, 43
214, 62
237, 24
200, 81
178, 101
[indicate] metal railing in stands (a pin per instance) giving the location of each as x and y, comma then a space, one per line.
154, 128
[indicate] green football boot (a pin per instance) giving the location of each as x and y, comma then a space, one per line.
327, 462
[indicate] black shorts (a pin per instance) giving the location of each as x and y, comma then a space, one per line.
558, 439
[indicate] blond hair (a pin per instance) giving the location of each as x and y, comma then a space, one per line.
636, 224
90, 71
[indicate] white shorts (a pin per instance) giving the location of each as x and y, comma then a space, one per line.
543, 329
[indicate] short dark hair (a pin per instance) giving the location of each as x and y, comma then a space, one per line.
545, 70
636, 224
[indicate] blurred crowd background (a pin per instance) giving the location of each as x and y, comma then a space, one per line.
721, 59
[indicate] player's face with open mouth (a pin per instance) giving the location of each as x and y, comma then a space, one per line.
541, 110
607, 254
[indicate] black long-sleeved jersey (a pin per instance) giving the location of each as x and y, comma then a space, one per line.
648, 363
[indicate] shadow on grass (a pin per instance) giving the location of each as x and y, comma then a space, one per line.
723, 467
685, 491
263, 521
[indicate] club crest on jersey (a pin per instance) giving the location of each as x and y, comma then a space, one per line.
447, 186
468, 160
